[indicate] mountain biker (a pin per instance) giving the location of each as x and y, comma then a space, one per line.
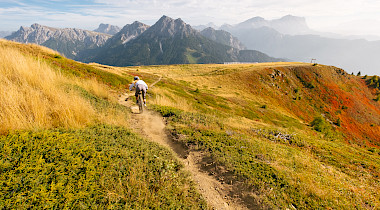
140, 85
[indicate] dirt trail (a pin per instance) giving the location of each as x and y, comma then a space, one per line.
152, 126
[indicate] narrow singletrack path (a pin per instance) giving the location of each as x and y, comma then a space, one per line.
152, 126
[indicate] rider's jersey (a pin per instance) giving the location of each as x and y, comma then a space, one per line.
139, 82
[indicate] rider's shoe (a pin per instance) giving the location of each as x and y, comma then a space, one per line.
144, 103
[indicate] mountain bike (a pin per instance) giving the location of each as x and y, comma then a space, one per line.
140, 102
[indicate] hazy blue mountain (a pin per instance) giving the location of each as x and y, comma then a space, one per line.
289, 24
5, 33
352, 55
222, 37
107, 29
202, 27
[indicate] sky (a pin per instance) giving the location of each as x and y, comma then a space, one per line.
347, 17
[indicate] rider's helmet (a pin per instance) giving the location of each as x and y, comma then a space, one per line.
136, 78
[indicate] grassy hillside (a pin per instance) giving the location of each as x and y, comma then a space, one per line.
284, 135
65, 141
291, 134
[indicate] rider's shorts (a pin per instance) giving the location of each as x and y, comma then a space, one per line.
142, 88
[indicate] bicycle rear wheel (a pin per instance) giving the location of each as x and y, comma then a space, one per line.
141, 103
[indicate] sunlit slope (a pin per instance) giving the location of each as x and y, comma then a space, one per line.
65, 141
38, 93
296, 90
285, 134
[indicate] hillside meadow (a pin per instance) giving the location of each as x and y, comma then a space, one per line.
283, 135
65, 141
293, 135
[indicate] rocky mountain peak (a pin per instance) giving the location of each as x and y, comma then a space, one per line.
293, 18
256, 19
137, 24
255, 22
107, 29
36, 26
127, 33
168, 27
23, 28
290, 24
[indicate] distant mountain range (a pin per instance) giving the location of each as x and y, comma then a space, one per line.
173, 41
291, 25
68, 41
290, 37
168, 41
5, 33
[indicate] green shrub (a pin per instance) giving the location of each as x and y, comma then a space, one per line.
320, 124
338, 122
167, 111
377, 98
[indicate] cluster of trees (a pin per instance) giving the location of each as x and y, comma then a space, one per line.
375, 81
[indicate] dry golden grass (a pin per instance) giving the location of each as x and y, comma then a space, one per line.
34, 96
31, 96
166, 98
111, 69
192, 70
23, 47
95, 87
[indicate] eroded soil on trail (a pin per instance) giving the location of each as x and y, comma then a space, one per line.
218, 194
